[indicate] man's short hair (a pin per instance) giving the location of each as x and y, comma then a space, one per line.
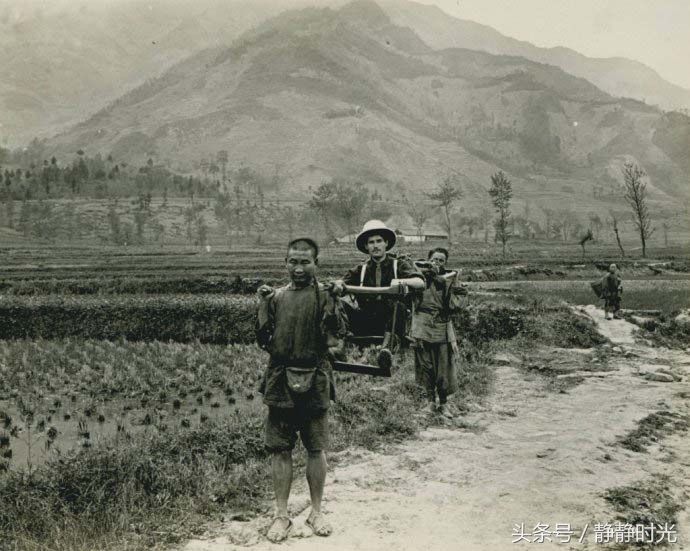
441, 250
304, 244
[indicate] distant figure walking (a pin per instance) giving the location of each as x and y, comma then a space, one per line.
611, 290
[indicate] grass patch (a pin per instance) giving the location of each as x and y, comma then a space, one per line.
138, 490
552, 324
653, 428
669, 333
371, 416
646, 503
475, 375
135, 485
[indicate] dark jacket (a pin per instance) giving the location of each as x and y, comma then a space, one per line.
296, 328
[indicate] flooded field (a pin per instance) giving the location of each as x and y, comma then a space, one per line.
57, 396
667, 295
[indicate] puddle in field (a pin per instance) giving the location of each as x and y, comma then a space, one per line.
109, 419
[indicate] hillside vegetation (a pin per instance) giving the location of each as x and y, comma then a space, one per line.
324, 93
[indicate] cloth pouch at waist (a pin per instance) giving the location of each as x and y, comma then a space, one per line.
300, 379
427, 327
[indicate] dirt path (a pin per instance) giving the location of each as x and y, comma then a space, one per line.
618, 331
530, 455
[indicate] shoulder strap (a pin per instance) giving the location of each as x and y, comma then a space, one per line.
361, 274
448, 292
317, 314
395, 268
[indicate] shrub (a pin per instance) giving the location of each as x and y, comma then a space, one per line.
485, 322
135, 285
208, 319
136, 477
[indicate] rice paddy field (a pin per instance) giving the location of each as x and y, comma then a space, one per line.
140, 364
59, 395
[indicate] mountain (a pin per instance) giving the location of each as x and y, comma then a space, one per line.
62, 62
618, 76
321, 93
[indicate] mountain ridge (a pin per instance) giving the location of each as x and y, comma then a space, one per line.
68, 64
318, 94
619, 76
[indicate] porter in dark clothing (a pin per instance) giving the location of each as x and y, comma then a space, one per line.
611, 290
434, 340
299, 326
296, 332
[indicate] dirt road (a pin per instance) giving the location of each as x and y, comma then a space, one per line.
541, 449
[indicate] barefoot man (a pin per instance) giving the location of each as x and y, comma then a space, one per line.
300, 325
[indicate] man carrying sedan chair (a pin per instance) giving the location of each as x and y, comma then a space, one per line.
375, 315
433, 336
300, 326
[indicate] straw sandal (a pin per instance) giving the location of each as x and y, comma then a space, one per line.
318, 523
276, 533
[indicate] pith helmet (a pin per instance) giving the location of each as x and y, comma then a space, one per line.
375, 227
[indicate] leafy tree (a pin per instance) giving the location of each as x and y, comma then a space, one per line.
195, 223
636, 197
224, 212
350, 200
323, 202
142, 214
114, 223
222, 158
446, 195
9, 200
484, 217
501, 192
24, 224
419, 213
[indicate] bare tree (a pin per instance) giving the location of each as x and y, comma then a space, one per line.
670, 223
446, 195
614, 227
568, 220
588, 236
636, 197
501, 191
548, 221
596, 223
666, 226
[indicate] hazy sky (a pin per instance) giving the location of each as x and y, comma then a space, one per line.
655, 32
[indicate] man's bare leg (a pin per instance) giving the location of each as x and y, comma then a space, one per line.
316, 477
281, 470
